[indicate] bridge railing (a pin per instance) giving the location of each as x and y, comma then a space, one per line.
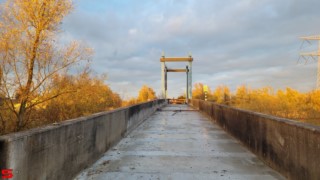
288, 146
61, 151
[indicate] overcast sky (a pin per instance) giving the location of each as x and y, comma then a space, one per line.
233, 42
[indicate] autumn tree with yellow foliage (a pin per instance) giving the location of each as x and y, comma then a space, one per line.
288, 103
198, 91
90, 95
30, 55
146, 94
220, 95
36, 86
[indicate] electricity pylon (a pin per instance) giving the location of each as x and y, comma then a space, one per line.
315, 55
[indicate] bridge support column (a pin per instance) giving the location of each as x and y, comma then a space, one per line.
163, 80
189, 91
166, 82
187, 87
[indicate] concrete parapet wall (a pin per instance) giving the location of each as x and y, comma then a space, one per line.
61, 151
290, 147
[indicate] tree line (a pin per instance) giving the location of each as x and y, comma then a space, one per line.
288, 103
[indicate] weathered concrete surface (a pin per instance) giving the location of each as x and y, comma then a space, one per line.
62, 151
174, 144
290, 147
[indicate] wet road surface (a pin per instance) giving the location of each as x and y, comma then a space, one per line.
178, 142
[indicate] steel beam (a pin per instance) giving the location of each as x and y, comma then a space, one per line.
176, 70
176, 59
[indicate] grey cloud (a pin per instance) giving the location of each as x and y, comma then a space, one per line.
233, 42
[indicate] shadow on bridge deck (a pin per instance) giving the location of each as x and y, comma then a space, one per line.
178, 142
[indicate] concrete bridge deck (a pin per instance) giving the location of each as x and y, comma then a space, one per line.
178, 143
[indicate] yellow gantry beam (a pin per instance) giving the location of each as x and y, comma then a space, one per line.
176, 70
176, 59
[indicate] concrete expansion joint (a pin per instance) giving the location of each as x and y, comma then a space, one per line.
182, 110
175, 112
